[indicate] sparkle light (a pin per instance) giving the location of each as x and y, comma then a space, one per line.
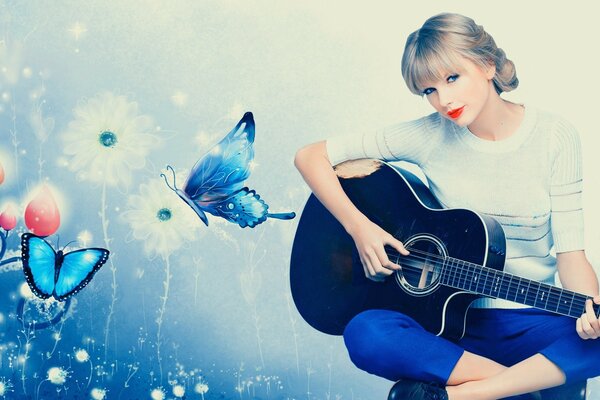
77, 30
179, 98
25, 291
84, 238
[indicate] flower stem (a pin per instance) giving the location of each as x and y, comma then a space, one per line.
161, 313
113, 269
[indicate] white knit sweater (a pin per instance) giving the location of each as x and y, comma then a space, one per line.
530, 182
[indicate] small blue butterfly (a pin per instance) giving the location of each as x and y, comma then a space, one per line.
215, 184
50, 273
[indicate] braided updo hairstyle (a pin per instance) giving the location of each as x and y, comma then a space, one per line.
433, 51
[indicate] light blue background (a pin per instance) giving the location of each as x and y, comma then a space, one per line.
306, 70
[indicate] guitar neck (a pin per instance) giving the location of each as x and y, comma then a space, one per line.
489, 282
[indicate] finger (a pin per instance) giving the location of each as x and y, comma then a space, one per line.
398, 245
380, 271
597, 299
369, 271
374, 274
384, 259
579, 329
591, 316
587, 328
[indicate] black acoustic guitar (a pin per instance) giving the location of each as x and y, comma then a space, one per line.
456, 256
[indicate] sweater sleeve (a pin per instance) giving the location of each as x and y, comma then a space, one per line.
407, 141
566, 188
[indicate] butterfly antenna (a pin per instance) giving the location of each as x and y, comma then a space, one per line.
174, 188
67, 245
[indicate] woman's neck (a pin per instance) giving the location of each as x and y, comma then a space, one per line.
498, 120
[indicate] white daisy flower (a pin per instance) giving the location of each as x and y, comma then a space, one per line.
108, 139
160, 219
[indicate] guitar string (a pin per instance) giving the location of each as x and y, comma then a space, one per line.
579, 301
574, 308
550, 304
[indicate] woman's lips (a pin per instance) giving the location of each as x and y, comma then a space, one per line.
456, 112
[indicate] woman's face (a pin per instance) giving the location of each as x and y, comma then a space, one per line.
462, 94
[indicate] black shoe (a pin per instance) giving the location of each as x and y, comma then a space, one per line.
416, 390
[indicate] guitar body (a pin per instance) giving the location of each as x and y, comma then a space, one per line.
328, 282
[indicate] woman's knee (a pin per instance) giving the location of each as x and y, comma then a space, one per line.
368, 336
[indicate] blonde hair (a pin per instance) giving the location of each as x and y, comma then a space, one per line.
433, 51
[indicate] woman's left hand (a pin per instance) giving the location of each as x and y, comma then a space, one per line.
588, 325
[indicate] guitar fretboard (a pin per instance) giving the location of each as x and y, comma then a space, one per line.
498, 284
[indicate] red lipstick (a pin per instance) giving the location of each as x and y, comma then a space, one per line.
455, 113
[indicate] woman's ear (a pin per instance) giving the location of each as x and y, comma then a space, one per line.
490, 71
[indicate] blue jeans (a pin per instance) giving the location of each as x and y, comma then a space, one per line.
394, 346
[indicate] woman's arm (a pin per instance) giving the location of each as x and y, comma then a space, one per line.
313, 163
577, 274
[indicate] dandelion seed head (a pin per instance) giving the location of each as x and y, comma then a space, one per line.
201, 388
157, 394
81, 355
5, 386
98, 394
57, 375
107, 139
178, 391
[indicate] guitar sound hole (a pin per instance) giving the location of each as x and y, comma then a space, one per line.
421, 269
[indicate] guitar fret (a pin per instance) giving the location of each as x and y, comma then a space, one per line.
571, 305
505, 284
475, 278
541, 296
552, 288
464, 276
520, 292
561, 303
443, 270
455, 273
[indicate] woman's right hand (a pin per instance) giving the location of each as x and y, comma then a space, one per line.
370, 240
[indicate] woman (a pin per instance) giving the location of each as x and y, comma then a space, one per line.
478, 151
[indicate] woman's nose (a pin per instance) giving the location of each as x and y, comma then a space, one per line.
444, 98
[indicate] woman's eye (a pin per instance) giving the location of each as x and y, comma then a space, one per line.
452, 78
428, 91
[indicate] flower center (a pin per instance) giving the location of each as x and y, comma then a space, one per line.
107, 139
164, 214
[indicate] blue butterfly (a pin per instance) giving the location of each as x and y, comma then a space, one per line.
58, 274
216, 182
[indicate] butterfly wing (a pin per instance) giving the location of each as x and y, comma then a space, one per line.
245, 208
39, 259
224, 168
77, 269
